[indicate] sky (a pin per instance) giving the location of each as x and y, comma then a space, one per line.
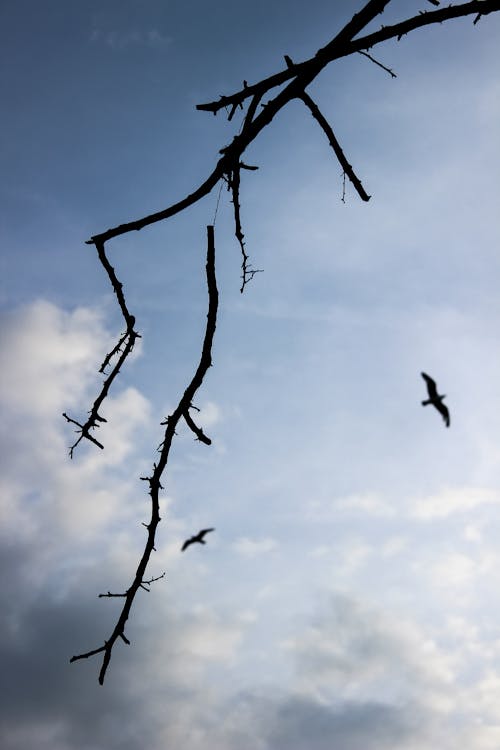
348, 597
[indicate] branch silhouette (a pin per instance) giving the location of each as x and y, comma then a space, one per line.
300, 76
154, 481
323, 122
292, 83
127, 340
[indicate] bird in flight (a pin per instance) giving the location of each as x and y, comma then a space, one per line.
435, 398
196, 538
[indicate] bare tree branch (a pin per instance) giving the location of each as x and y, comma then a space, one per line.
481, 7
253, 127
252, 108
128, 338
294, 81
484, 7
175, 208
302, 74
84, 431
348, 170
154, 480
372, 9
233, 182
109, 595
197, 430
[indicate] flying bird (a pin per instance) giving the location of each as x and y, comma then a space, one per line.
196, 538
435, 398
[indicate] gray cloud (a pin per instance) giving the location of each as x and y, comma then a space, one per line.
300, 723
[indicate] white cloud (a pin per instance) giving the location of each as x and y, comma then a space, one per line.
351, 555
488, 696
248, 616
210, 414
368, 503
394, 546
453, 500
322, 550
253, 547
360, 504
462, 629
125, 413
48, 357
357, 651
454, 570
472, 533
62, 507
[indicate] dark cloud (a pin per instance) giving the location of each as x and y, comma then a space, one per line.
301, 723
40, 688
157, 692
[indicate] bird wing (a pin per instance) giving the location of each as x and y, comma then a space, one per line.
443, 410
431, 385
196, 538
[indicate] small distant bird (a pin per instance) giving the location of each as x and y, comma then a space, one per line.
197, 538
435, 398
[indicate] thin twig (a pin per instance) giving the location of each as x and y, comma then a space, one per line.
384, 67
233, 179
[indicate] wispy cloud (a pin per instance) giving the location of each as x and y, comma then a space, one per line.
254, 547
360, 504
130, 38
453, 500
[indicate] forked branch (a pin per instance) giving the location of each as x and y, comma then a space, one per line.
154, 481
127, 341
292, 84
298, 77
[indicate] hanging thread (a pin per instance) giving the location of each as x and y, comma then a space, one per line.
218, 200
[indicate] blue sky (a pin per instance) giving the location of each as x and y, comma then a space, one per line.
349, 595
